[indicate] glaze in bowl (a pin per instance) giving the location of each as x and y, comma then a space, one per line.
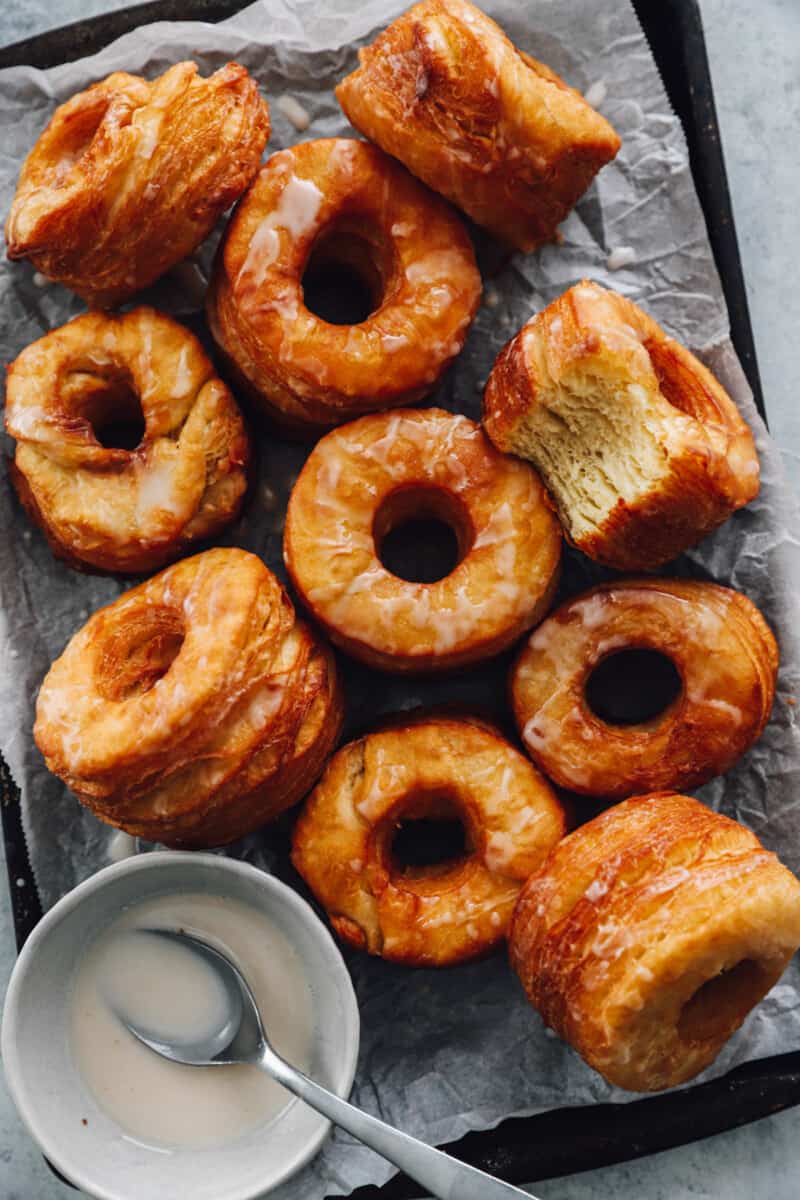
53, 1099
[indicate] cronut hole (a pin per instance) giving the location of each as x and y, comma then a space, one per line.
421, 534
429, 839
75, 137
677, 382
721, 1002
113, 409
139, 652
632, 687
346, 274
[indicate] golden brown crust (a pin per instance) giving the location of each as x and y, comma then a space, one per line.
492, 129
425, 766
370, 475
129, 177
705, 465
650, 933
725, 654
353, 204
108, 509
195, 707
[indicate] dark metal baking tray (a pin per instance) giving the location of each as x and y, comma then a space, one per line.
571, 1139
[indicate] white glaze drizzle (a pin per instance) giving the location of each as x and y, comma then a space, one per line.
296, 212
446, 615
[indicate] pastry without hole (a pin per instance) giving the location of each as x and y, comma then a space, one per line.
130, 176
194, 708
343, 210
369, 477
498, 133
434, 768
650, 933
643, 451
726, 663
77, 394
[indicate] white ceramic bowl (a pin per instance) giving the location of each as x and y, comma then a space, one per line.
49, 1092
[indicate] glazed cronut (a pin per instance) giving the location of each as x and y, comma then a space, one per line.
643, 452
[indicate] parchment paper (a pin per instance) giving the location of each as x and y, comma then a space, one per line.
442, 1052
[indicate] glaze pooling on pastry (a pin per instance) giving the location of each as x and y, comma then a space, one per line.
365, 478
348, 205
649, 934
129, 177
425, 767
194, 708
296, 213
642, 450
727, 660
111, 509
496, 132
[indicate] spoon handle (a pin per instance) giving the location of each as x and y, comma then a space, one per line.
441, 1175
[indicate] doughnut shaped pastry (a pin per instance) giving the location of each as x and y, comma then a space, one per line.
726, 658
195, 707
106, 508
492, 129
360, 482
340, 204
129, 177
425, 767
650, 933
642, 450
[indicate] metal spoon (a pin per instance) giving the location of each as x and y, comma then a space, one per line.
241, 1039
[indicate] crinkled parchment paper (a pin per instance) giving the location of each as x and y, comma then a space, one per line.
442, 1052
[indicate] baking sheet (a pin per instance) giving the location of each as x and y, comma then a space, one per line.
449, 1051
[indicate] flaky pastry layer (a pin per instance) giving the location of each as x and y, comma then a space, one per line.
105, 508
641, 448
354, 208
364, 479
130, 176
416, 768
498, 133
650, 933
726, 657
194, 708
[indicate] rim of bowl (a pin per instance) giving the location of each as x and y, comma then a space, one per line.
156, 860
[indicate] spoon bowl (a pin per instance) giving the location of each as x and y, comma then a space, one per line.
238, 1034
